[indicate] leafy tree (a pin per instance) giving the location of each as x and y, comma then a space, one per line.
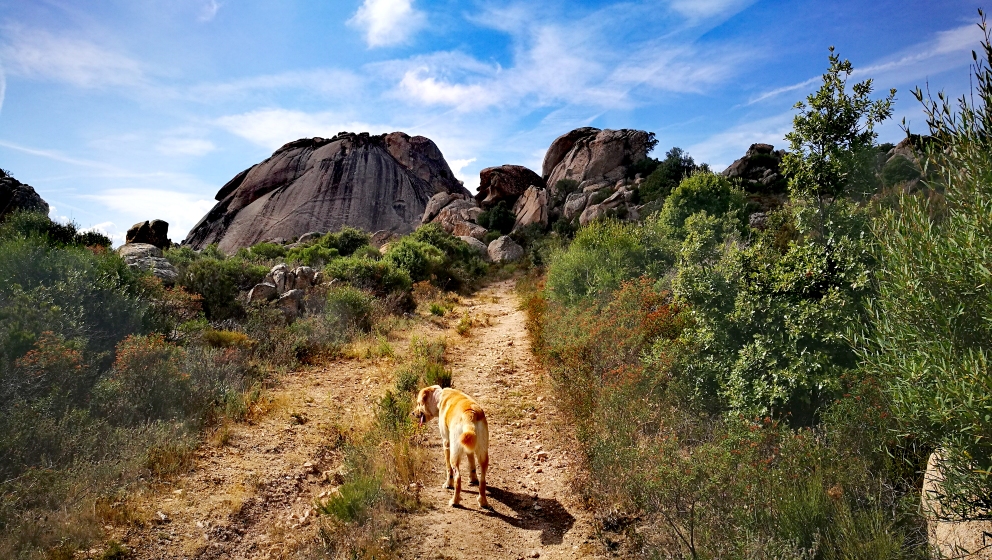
667, 174
831, 145
498, 218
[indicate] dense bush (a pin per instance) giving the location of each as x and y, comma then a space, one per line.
380, 277
932, 338
702, 192
421, 260
219, 281
262, 252
350, 307
498, 218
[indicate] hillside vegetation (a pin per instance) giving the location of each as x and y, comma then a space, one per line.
776, 392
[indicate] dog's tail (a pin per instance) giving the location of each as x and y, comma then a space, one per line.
469, 438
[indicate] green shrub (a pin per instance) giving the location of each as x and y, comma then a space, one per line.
219, 282
262, 252
899, 170
666, 175
462, 264
498, 218
36, 224
421, 260
350, 307
354, 499
702, 192
68, 290
380, 277
602, 256
931, 337
312, 255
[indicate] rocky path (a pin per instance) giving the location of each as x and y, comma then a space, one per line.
535, 512
251, 491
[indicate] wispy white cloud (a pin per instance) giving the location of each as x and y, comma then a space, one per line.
181, 209
587, 61
722, 148
209, 10
3, 85
185, 146
458, 166
326, 82
946, 50
39, 54
271, 128
387, 22
708, 8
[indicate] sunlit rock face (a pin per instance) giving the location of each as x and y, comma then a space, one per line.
374, 183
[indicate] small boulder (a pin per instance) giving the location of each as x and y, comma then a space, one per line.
154, 232
148, 258
304, 277
456, 212
505, 249
262, 292
291, 303
469, 229
138, 251
592, 213
478, 245
531, 208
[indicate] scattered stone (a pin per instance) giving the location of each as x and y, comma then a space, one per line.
263, 292
504, 249
479, 246
291, 303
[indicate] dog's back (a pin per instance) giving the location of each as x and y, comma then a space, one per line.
468, 429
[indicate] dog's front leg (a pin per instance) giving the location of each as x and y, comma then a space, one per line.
449, 482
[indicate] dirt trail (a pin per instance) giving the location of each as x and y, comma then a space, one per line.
251, 495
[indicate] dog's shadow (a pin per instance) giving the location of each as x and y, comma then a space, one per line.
551, 519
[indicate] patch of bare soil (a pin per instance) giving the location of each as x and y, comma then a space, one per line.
251, 492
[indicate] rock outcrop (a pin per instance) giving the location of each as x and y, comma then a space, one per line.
15, 195
595, 156
148, 258
506, 182
154, 232
531, 208
458, 218
758, 170
315, 184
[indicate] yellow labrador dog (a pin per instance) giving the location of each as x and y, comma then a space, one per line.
464, 431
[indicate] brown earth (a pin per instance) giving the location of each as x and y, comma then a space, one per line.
250, 493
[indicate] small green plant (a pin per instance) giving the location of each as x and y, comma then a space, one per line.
354, 499
438, 309
436, 374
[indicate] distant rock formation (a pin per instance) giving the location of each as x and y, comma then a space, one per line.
146, 257
506, 182
758, 170
154, 232
374, 183
590, 155
15, 195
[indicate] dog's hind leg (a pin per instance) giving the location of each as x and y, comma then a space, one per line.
483, 467
473, 477
455, 460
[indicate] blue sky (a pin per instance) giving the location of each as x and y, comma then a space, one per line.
118, 111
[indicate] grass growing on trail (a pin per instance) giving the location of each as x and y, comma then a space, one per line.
384, 469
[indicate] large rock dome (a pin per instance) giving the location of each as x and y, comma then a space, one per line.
315, 184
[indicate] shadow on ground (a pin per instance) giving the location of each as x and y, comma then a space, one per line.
551, 519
